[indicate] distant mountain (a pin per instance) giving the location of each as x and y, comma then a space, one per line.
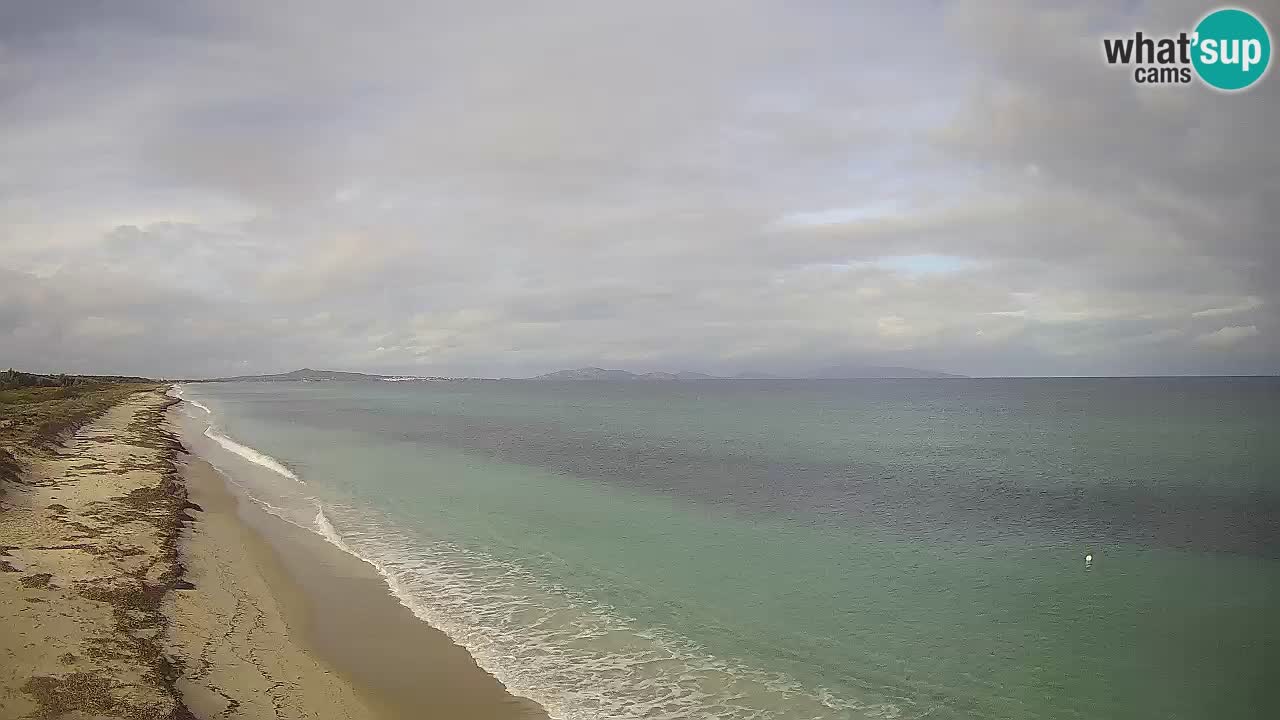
835, 372
851, 372
306, 375
755, 375
595, 373
588, 373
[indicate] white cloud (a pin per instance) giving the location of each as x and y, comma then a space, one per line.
1228, 336
1245, 305
509, 194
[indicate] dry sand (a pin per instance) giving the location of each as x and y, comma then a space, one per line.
135, 584
87, 552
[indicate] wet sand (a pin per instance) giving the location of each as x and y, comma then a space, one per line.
329, 619
230, 629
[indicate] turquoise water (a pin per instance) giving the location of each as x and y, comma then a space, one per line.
809, 549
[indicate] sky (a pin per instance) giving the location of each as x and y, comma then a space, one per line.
508, 188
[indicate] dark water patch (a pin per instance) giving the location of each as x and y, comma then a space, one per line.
1176, 463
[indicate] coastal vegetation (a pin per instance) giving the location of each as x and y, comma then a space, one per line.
37, 411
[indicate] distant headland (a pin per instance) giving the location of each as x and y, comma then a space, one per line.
597, 374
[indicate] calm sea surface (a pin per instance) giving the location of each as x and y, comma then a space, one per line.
806, 549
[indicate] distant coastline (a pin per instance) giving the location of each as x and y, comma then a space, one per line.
830, 373
309, 375
598, 374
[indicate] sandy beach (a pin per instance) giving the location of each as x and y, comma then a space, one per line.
230, 630
324, 618
135, 583
89, 551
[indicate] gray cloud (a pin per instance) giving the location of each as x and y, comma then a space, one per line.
496, 189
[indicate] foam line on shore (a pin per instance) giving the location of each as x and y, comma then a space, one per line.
542, 659
178, 393
250, 454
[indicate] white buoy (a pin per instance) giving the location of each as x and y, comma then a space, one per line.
1088, 560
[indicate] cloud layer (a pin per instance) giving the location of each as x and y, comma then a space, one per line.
499, 189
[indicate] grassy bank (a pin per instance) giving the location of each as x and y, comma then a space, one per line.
34, 417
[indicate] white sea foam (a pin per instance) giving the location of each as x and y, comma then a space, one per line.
177, 391
327, 531
578, 659
279, 511
250, 454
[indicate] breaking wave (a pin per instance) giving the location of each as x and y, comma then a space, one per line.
251, 455
578, 659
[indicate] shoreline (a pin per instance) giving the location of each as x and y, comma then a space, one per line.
137, 582
337, 611
229, 630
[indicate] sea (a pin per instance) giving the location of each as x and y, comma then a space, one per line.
788, 550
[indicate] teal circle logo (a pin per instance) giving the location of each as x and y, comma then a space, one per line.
1231, 49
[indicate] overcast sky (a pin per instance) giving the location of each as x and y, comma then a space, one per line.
489, 188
